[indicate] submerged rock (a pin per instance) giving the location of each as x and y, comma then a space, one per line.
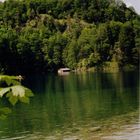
71, 138
94, 129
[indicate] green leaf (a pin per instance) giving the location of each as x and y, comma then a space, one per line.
24, 99
9, 94
18, 90
4, 91
19, 93
28, 92
15, 91
10, 80
13, 100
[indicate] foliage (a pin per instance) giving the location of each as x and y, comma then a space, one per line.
41, 36
13, 90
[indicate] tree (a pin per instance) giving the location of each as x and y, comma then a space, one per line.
43, 33
103, 44
127, 41
136, 50
8, 50
53, 49
70, 54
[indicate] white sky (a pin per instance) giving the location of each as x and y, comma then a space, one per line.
134, 3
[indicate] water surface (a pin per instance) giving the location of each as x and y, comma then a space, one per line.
66, 106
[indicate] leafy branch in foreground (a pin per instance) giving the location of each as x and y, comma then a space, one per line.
10, 87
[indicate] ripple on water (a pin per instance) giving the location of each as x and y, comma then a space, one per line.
131, 132
13, 138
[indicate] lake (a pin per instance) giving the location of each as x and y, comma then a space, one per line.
82, 106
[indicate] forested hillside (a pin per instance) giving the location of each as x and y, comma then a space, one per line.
44, 35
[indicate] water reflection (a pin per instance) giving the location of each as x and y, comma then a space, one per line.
66, 102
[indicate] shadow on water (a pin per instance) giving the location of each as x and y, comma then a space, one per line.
63, 103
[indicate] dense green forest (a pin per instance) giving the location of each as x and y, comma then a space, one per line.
44, 35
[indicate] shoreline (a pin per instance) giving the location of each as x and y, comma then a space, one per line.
121, 126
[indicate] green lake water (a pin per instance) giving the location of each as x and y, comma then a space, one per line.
70, 107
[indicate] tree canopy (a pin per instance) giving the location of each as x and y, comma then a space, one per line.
44, 35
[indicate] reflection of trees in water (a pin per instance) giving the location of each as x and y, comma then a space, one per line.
90, 95
4, 111
65, 101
